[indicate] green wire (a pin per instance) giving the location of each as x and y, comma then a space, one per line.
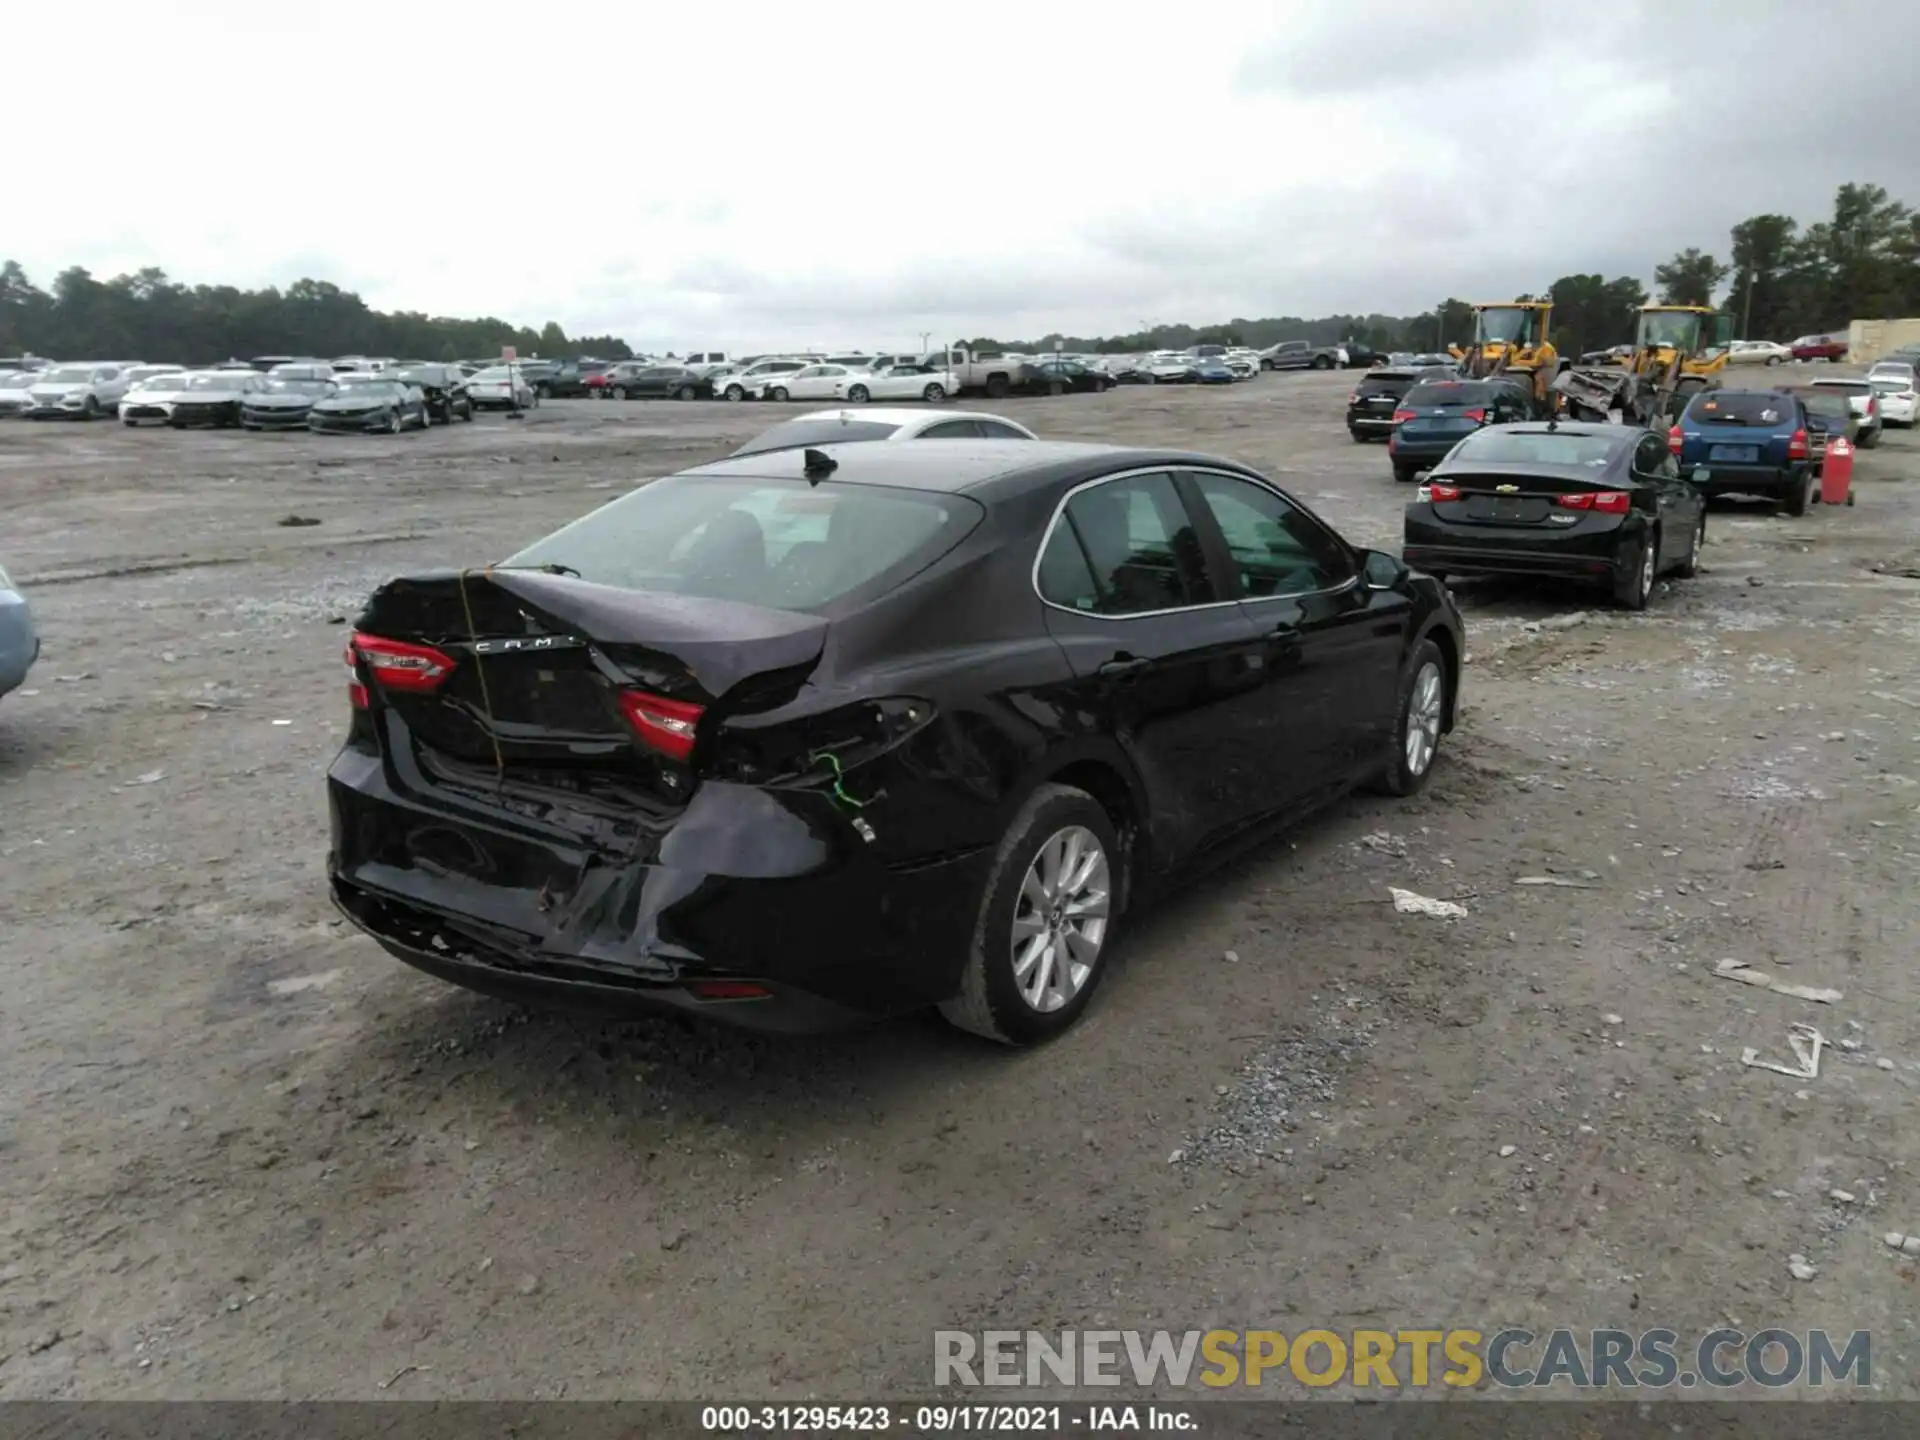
839, 777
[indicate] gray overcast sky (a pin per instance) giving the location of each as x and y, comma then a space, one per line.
749, 173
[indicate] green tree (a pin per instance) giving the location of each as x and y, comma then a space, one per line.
1689, 278
1763, 259
1590, 313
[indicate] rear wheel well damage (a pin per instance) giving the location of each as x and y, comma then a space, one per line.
1111, 792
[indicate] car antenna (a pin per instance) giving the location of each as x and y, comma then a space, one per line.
817, 465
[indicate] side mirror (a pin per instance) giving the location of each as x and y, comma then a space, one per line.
1381, 571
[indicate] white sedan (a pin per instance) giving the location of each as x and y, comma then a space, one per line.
502, 387
1758, 352
842, 427
897, 382
13, 391
1894, 391
810, 382
151, 401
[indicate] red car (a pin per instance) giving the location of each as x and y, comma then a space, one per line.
1820, 347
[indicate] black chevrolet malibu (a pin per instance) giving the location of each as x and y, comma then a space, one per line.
808, 736
1606, 504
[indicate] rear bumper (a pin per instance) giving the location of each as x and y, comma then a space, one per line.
770, 887
1365, 422
1725, 479
1576, 554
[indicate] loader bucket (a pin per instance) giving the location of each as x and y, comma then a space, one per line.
1592, 392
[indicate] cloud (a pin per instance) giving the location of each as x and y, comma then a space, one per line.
863, 175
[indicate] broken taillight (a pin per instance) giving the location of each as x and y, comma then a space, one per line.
727, 990
665, 725
397, 665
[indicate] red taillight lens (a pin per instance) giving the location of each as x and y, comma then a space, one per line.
356, 692
1438, 491
666, 725
1675, 441
399, 665
1610, 502
1400, 417
1354, 398
1478, 417
1797, 446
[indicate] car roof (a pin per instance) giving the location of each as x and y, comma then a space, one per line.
975, 467
899, 414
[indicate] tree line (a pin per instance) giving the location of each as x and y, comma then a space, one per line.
147, 316
1778, 281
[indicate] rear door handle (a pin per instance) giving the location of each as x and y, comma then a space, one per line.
1120, 668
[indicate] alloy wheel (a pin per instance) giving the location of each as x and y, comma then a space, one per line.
1060, 918
1648, 556
1423, 718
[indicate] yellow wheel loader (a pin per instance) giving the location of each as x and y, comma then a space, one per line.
1511, 338
1677, 350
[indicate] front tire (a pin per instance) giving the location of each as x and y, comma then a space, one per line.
1420, 719
934, 394
859, 394
1405, 474
777, 393
1046, 921
1634, 589
685, 392
394, 425
735, 393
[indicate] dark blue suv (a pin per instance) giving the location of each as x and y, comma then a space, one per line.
1746, 442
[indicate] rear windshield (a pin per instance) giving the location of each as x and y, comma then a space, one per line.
1845, 387
1831, 403
828, 430
1386, 383
776, 543
1451, 392
1740, 407
1890, 384
1536, 447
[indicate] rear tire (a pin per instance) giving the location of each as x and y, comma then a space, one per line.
685, 392
1405, 473
777, 393
1688, 568
1632, 590
735, 393
1871, 439
997, 387
1323, 362
1799, 494
991, 1003
1420, 704
934, 394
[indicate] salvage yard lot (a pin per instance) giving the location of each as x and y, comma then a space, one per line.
247, 1154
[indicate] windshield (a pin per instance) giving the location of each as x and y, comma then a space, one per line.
1537, 447
300, 387
67, 375
777, 543
1677, 328
1506, 325
1740, 407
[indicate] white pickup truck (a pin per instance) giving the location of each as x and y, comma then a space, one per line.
981, 371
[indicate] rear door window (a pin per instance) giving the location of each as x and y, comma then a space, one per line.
1140, 545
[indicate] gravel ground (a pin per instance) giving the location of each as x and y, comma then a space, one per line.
247, 1155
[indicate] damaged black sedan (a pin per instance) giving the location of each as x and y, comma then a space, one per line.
804, 737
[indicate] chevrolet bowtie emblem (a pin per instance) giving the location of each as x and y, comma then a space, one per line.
1508, 489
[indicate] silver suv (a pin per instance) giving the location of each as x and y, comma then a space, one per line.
78, 392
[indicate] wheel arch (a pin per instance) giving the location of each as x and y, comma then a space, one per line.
1116, 789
